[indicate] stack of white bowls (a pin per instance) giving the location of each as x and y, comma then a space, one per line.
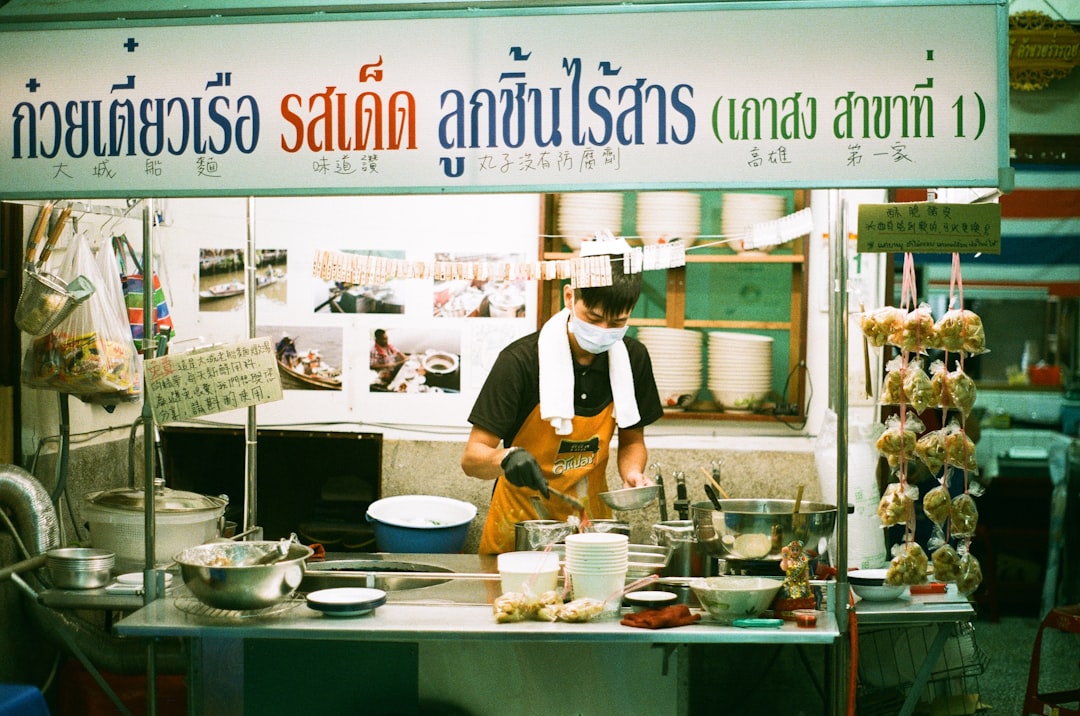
676, 361
664, 216
740, 369
739, 212
596, 564
582, 215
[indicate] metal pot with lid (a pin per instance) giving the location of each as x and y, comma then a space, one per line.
182, 519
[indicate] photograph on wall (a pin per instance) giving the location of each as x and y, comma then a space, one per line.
498, 294
342, 297
223, 283
415, 359
308, 357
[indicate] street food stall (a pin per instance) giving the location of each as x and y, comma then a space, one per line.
169, 105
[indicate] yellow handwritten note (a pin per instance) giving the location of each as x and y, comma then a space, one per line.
212, 380
930, 227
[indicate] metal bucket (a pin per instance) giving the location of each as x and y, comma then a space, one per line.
538, 534
680, 536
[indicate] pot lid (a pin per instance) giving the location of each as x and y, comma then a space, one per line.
165, 500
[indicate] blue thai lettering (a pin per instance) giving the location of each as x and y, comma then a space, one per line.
637, 113
125, 127
121, 126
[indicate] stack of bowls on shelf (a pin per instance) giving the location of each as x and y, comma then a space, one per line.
740, 369
664, 216
582, 215
596, 564
739, 212
676, 361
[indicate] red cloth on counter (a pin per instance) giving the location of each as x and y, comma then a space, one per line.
673, 616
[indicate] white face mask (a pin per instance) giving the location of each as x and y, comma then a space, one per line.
595, 339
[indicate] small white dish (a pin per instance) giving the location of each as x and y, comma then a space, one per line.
650, 599
346, 601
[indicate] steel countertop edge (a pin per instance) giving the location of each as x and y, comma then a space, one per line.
457, 609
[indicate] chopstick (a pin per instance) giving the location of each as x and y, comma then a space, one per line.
716, 485
868, 383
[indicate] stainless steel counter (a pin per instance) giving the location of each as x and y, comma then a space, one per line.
454, 609
453, 628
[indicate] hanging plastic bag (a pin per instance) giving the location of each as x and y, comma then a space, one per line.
91, 351
132, 280
109, 267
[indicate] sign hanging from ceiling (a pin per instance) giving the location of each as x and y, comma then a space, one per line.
724, 97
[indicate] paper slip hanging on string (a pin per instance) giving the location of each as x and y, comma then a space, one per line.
212, 380
930, 227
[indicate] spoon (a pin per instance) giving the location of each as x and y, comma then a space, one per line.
798, 500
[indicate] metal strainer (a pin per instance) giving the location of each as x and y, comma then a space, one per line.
46, 299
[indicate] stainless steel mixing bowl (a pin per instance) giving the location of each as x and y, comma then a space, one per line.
218, 573
759, 529
630, 498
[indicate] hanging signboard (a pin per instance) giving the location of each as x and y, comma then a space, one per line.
930, 227
212, 380
733, 95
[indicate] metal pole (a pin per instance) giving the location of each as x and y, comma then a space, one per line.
251, 426
838, 381
150, 586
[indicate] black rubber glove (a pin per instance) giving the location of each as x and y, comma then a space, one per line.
523, 470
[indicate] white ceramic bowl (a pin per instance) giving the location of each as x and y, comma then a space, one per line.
869, 584
732, 597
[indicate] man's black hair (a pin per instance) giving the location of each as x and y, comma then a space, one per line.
618, 298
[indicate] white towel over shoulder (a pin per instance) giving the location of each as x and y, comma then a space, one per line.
557, 378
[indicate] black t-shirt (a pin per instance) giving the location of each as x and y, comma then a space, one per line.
512, 388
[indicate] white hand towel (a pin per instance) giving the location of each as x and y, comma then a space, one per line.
557, 378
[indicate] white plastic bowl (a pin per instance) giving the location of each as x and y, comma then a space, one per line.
531, 572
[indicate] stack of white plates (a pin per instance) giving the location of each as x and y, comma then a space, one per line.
676, 361
596, 563
740, 369
738, 212
664, 216
582, 215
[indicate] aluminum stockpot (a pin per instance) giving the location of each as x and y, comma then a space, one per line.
218, 573
759, 529
117, 520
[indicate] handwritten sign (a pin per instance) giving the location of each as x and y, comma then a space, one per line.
213, 380
718, 97
930, 227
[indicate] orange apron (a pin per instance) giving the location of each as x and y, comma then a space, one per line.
575, 464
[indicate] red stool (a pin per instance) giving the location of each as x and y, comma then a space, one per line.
1065, 619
